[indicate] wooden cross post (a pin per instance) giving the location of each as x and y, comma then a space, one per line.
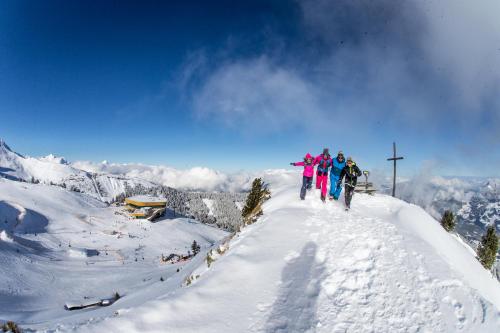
394, 158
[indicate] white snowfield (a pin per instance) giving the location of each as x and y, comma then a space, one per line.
305, 266
59, 247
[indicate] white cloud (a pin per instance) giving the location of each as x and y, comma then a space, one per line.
256, 92
410, 63
409, 68
193, 179
463, 38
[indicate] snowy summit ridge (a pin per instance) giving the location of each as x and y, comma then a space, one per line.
305, 266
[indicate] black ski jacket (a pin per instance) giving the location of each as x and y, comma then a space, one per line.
351, 174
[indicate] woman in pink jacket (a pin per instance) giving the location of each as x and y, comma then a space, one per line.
307, 178
324, 162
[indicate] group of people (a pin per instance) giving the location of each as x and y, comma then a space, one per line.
339, 169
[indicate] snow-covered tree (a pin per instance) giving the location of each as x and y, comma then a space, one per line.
226, 214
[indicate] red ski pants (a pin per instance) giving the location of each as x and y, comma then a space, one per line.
322, 183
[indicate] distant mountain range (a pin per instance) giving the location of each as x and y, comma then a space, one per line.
216, 198
220, 208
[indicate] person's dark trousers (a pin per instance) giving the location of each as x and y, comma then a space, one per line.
306, 185
349, 191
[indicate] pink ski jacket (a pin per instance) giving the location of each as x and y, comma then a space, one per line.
308, 167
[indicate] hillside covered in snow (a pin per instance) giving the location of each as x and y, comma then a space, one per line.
61, 247
224, 209
56, 171
305, 266
474, 201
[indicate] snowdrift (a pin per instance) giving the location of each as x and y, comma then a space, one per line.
385, 266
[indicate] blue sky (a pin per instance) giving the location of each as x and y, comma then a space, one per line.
252, 85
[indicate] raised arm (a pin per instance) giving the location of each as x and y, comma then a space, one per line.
298, 163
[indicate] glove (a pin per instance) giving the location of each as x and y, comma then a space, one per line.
292, 164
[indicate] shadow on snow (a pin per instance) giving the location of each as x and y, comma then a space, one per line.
294, 309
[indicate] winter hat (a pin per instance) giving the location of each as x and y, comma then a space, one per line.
349, 159
340, 153
308, 156
326, 151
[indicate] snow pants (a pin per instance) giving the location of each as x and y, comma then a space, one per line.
335, 189
306, 185
349, 192
322, 182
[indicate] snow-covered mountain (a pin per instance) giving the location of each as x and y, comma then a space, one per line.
56, 171
59, 246
224, 210
385, 266
305, 266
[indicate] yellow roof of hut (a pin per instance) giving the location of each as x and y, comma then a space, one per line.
146, 201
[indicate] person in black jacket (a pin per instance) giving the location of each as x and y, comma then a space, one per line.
351, 173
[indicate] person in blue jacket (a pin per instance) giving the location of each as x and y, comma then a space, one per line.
337, 166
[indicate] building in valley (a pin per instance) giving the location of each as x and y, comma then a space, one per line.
145, 207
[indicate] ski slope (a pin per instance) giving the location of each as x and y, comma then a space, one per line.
305, 266
60, 247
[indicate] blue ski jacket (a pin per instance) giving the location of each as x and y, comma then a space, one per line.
337, 167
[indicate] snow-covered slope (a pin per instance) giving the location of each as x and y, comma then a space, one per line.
305, 266
474, 201
16, 166
112, 182
59, 246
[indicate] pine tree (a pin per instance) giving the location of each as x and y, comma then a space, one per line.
487, 250
195, 248
253, 197
258, 193
10, 326
448, 221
